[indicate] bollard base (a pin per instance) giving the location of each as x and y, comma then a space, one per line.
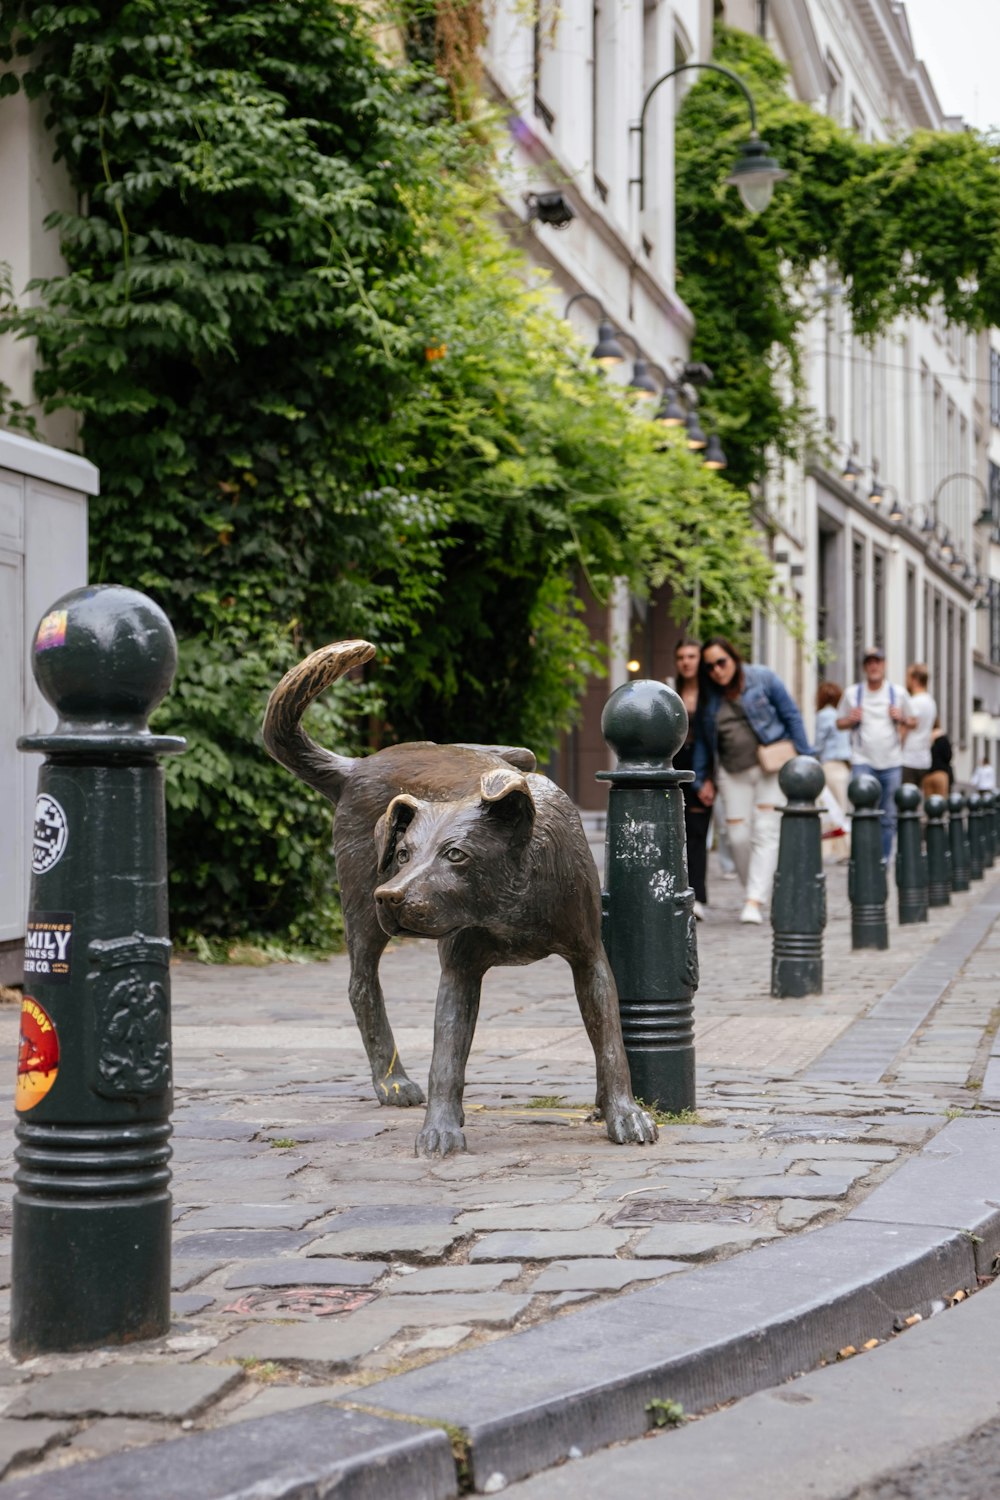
869, 928
939, 895
87, 1274
663, 1079
911, 909
659, 1045
791, 978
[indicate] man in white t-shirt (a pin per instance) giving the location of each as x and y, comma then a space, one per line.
984, 778
917, 744
879, 715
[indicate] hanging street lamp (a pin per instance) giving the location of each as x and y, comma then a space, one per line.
755, 171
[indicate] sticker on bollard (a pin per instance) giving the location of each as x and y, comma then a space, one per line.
649, 926
91, 1214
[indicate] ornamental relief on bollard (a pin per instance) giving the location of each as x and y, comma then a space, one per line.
131, 1011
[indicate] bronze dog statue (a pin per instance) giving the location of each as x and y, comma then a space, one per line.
463, 844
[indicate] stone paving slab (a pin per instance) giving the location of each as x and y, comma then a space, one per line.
125, 1390
381, 1263
319, 1451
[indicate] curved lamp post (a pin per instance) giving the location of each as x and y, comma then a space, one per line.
607, 351
985, 516
755, 171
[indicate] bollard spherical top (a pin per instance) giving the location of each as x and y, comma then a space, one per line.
907, 798
973, 802
644, 721
956, 804
104, 655
802, 779
935, 807
864, 790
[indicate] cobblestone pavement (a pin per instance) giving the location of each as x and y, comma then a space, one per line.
314, 1253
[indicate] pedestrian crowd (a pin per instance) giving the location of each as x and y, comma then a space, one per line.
744, 724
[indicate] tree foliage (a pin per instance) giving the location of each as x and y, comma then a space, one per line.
325, 403
905, 224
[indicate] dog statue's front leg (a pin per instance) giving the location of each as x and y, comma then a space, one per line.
597, 997
454, 1024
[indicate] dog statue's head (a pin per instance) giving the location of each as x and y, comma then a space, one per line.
447, 861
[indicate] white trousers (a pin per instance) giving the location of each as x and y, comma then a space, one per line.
753, 822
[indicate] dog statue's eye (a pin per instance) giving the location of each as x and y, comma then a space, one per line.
456, 856
402, 855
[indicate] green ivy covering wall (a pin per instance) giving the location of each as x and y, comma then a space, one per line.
904, 224
325, 403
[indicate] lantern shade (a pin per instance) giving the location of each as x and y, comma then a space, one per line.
714, 456
755, 174
607, 351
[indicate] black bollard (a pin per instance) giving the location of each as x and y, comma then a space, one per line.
649, 926
92, 1210
866, 882
986, 829
911, 864
958, 842
975, 836
938, 858
798, 904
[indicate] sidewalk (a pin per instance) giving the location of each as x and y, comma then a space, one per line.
317, 1260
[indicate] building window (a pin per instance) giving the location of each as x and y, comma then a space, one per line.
994, 597
858, 602
878, 596
995, 493
937, 666
911, 612
951, 686
995, 387
963, 680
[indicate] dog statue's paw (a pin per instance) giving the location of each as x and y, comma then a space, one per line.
398, 1089
630, 1125
439, 1141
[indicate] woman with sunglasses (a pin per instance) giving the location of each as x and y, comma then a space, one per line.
746, 708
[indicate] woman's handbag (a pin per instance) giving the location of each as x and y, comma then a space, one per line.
772, 757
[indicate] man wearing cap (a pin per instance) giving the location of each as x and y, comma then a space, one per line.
878, 714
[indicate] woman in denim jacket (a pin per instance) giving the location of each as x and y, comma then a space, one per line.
746, 707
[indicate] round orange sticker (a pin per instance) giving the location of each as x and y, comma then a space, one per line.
38, 1055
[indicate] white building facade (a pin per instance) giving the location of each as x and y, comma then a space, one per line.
909, 411
912, 411
44, 494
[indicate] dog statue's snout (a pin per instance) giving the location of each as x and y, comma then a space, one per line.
386, 895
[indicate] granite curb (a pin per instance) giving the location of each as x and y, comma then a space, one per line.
585, 1380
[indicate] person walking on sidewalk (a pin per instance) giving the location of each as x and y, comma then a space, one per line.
938, 781
687, 659
984, 778
833, 751
917, 744
878, 714
749, 727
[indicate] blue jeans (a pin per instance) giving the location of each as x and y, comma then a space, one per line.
888, 780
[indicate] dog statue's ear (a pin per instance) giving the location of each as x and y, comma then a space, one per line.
397, 816
507, 794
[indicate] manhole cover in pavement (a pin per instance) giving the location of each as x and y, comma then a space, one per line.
639, 1211
318, 1301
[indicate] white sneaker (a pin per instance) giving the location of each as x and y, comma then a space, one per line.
699, 911
751, 913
